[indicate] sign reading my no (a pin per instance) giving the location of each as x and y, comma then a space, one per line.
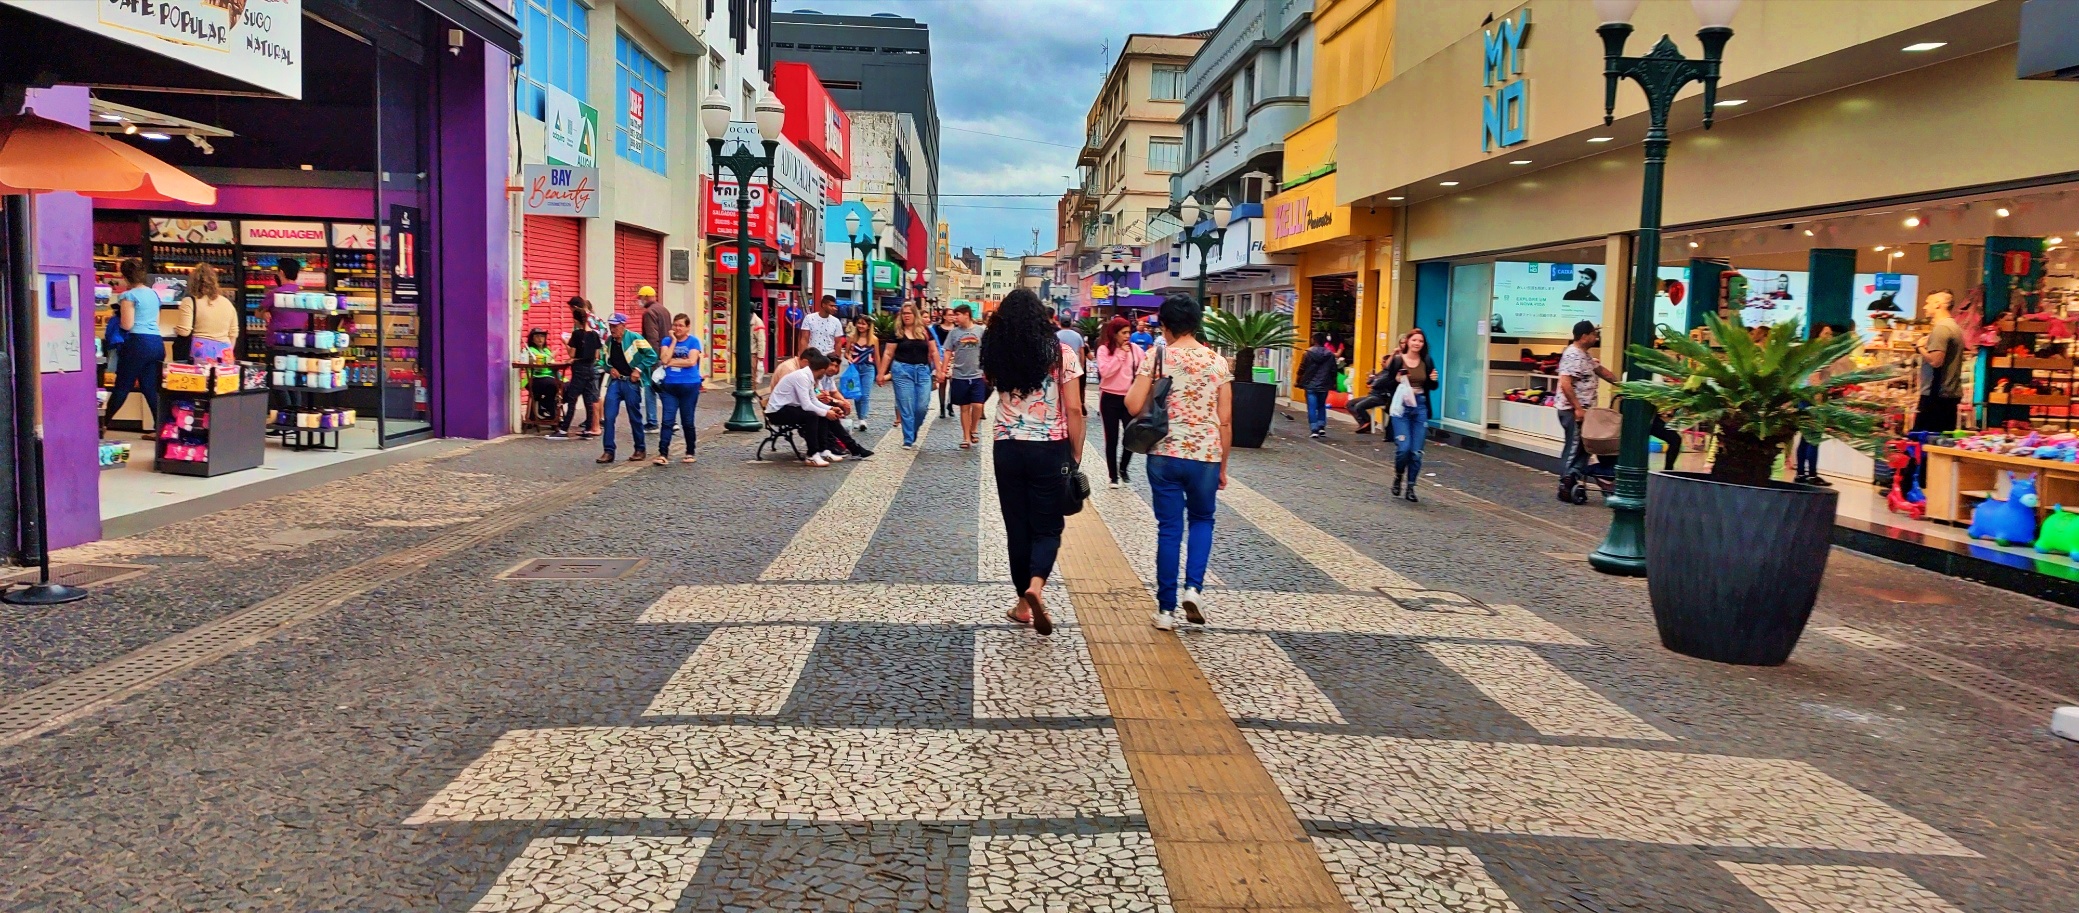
1504, 113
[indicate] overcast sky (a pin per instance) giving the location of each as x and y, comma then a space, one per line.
1018, 68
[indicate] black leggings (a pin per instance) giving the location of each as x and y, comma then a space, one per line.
1671, 438
1112, 407
1031, 484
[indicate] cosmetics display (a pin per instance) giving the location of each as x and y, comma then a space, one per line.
210, 432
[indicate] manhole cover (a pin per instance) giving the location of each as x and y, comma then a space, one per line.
81, 574
574, 569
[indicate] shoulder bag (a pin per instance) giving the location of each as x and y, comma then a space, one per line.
1148, 429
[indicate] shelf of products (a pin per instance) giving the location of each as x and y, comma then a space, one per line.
308, 338
213, 431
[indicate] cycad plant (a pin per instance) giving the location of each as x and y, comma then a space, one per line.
884, 325
1090, 327
1756, 396
1242, 334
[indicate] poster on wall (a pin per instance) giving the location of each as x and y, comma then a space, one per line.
1544, 300
257, 42
353, 235
404, 255
189, 231
1775, 296
1895, 295
1671, 299
572, 129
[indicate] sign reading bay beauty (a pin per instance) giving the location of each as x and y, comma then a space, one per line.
573, 129
561, 190
1504, 112
258, 42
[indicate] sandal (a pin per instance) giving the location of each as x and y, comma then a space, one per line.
660, 461
1042, 623
688, 458
1016, 618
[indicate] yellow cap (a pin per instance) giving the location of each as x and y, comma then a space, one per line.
646, 292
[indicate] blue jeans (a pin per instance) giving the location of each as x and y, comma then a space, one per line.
1807, 457
649, 406
1184, 493
1317, 412
912, 396
620, 394
862, 375
679, 401
1410, 432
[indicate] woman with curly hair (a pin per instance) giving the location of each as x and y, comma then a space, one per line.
1039, 432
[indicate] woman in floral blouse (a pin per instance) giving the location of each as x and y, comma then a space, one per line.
1039, 433
1189, 467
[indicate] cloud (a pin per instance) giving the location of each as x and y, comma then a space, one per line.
1018, 68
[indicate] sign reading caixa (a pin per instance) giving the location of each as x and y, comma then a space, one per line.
257, 42
560, 190
1504, 111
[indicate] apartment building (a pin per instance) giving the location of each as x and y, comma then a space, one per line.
1133, 143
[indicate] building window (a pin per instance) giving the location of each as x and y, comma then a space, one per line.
1248, 88
715, 67
1165, 155
1167, 85
1223, 112
1203, 142
639, 124
555, 43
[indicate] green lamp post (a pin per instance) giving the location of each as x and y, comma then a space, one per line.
864, 243
742, 165
1206, 241
1662, 73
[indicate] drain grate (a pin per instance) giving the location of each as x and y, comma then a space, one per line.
1438, 601
2021, 696
81, 574
574, 569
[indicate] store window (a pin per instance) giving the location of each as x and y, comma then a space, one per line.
1167, 84
639, 105
557, 49
1465, 345
1165, 154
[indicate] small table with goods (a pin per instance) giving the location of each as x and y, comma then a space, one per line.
212, 422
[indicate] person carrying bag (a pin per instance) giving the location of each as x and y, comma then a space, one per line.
1151, 427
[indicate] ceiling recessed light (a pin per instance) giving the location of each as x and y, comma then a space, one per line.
1520, 162
1917, 47
1396, 198
1880, 248
1447, 183
1600, 139
129, 129
2054, 239
1731, 102
1693, 245
1912, 222
306, 167
111, 117
1808, 233
156, 136
2001, 212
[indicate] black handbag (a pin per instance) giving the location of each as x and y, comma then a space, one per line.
1148, 429
1075, 489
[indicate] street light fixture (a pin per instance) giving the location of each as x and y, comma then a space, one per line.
1662, 73
742, 164
863, 244
917, 285
1205, 241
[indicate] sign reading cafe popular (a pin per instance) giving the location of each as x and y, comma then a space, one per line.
258, 42
1504, 112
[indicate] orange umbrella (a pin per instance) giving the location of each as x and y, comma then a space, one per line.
39, 155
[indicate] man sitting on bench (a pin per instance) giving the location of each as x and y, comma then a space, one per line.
795, 401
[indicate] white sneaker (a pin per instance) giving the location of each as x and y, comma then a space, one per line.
817, 461
1193, 605
1113, 484
1165, 621
831, 457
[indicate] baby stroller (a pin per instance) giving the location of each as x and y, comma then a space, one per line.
1601, 430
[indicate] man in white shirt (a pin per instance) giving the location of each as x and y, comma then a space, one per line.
820, 330
795, 400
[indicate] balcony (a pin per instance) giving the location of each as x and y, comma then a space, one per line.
1263, 133
1093, 147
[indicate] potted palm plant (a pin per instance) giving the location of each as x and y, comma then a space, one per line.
1241, 335
884, 325
1733, 557
1091, 327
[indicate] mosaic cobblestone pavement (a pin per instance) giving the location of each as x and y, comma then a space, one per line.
809, 699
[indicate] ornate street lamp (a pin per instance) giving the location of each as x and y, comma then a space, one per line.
1187, 211
742, 164
1662, 73
863, 245
917, 285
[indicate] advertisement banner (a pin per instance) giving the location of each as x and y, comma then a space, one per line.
788, 232
404, 254
720, 212
573, 129
257, 42
257, 233
560, 190
1544, 300
190, 231
353, 235
726, 259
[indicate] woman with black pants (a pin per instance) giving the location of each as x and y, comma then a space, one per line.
1118, 359
140, 353
1039, 432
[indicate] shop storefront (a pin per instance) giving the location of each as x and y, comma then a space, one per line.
1242, 275
361, 146
760, 258
1340, 262
1857, 177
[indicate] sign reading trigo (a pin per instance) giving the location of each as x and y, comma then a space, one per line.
259, 42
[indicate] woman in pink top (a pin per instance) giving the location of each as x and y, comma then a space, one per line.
1039, 433
1118, 359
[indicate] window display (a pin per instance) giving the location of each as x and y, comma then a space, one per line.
1544, 300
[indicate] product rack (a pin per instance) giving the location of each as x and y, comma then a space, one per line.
2047, 369
235, 437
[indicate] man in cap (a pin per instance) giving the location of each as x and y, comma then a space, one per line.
656, 324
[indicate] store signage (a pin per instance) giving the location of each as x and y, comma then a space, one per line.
353, 235
787, 233
1941, 251
742, 135
560, 190
573, 129
726, 259
793, 171
634, 115
721, 209
253, 233
1504, 111
1295, 217
2017, 263
190, 231
884, 274
854, 267
257, 42
1100, 292
834, 132
403, 232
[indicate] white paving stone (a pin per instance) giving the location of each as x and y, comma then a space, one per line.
992, 550
1019, 675
1411, 878
1353, 613
596, 875
1130, 519
1334, 557
1257, 680
1083, 873
1598, 793
1539, 693
1837, 889
830, 544
846, 603
746, 670
763, 773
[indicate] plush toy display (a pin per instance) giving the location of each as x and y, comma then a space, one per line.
2008, 521
2060, 532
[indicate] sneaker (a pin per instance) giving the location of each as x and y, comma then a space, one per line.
829, 457
1818, 480
816, 461
1165, 621
908, 446
558, 436
862, 453
1192, 604
1114, 484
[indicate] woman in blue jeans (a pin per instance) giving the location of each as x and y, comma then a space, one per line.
1410, 422
678, 395
861, 366
910, 361
141, 351
1187, 469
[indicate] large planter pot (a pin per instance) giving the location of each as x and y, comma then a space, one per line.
1733, 570
1252, 404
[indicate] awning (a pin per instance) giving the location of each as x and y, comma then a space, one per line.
495, 26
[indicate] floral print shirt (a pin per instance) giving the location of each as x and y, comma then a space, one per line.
1038, 416
1196, 375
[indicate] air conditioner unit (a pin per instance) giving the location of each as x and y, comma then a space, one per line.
1256, 185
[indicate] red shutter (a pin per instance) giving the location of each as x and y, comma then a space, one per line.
553, 249
638, 261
